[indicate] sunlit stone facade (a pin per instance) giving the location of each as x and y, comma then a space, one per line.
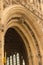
25, 19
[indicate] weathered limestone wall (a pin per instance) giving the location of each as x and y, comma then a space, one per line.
0, 44
0, 49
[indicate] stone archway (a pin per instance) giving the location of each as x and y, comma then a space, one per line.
18, 17
14, 45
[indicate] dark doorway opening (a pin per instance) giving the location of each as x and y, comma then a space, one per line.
14, 48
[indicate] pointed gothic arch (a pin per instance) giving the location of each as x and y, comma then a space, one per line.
23, 21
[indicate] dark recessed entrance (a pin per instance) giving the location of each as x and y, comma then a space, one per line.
14, 48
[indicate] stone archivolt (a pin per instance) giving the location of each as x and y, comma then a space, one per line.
24, 22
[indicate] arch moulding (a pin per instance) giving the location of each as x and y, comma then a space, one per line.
23, 21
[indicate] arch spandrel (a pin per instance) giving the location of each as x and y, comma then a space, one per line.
20, 18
